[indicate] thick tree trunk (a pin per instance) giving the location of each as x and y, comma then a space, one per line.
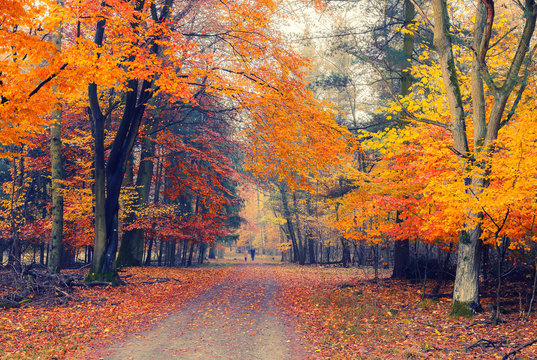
135, 101
466, 290
99, 187
171, 254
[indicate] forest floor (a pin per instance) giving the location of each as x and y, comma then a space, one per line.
264, 311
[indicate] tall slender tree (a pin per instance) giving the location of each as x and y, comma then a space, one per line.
56, 170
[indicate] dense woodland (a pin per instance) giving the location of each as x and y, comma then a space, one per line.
156, 132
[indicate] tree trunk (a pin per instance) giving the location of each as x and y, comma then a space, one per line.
201, 254
99, 189
178, 254
56, 172
401, 259
190, 255
401, 247
289, 222
466, 288
41, 253
212, 251
300, 238
185, 251
485, 261
131, 248
171, 254
15, 251
311, 248
156, 200
149, 249
137, 94
132, 243
161, 249
346, 253
310, 240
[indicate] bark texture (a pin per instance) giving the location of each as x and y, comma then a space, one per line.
56, 172
474, 162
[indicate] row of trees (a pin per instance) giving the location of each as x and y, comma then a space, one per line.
121, 124
141, 102
450, 162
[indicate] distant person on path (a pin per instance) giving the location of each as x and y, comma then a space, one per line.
252, 254
245, 255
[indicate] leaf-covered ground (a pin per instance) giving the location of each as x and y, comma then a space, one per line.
342, 313
346, 315
98, 317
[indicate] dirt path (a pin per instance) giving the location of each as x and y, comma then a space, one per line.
238, 319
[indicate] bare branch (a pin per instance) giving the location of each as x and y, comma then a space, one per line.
425, 18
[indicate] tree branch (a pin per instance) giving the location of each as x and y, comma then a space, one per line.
489, 4
523, 85
44, 82
518, 348
425, 18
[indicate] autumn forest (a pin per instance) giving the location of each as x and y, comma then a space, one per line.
366, 169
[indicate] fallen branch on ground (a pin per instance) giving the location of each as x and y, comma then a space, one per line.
518, 348
484, 343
